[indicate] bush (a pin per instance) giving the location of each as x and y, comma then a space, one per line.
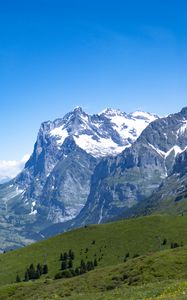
58, 275
174, 245
64, 274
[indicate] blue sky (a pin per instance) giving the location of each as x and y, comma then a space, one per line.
57, 54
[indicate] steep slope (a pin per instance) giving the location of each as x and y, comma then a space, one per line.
121, 182
55, 183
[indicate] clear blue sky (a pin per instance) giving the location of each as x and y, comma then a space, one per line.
57, 54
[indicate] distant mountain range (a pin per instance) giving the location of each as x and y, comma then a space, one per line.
55, 183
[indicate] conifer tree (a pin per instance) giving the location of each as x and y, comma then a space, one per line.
70, 264
26, 275
39, 269
37, 274
64, 265
31, 271
18, 279
45, 269
83, 267
77, 271
72, 255
95, 262
88, 266
92, 265
65, 256
164, 242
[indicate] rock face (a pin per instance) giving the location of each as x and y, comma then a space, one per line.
55, 183
121, 182
170, 197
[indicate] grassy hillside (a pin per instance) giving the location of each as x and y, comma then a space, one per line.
112, 242
161, 275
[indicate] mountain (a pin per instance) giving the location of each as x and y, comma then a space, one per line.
122, 182
55, 183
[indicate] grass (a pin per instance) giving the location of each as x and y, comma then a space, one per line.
112, 241
161, 275
158, 272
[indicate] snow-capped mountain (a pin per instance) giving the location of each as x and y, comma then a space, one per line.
107, 133
156, 159
89, 138
55, 183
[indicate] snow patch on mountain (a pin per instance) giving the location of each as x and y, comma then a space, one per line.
177, 150
144, 115
60, 133
103, 134
33, 210
182, 129
131, 126
102, 147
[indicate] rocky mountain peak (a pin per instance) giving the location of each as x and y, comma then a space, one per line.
110, 112
78, 110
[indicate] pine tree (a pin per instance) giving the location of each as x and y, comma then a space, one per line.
95, 262
70, 264
83, 268
88, 266
77, 271
72, 255
37, 274
31, 271
18, 278
39, 269
64, 265
26, 275
65, 257
164, 242
45, 269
